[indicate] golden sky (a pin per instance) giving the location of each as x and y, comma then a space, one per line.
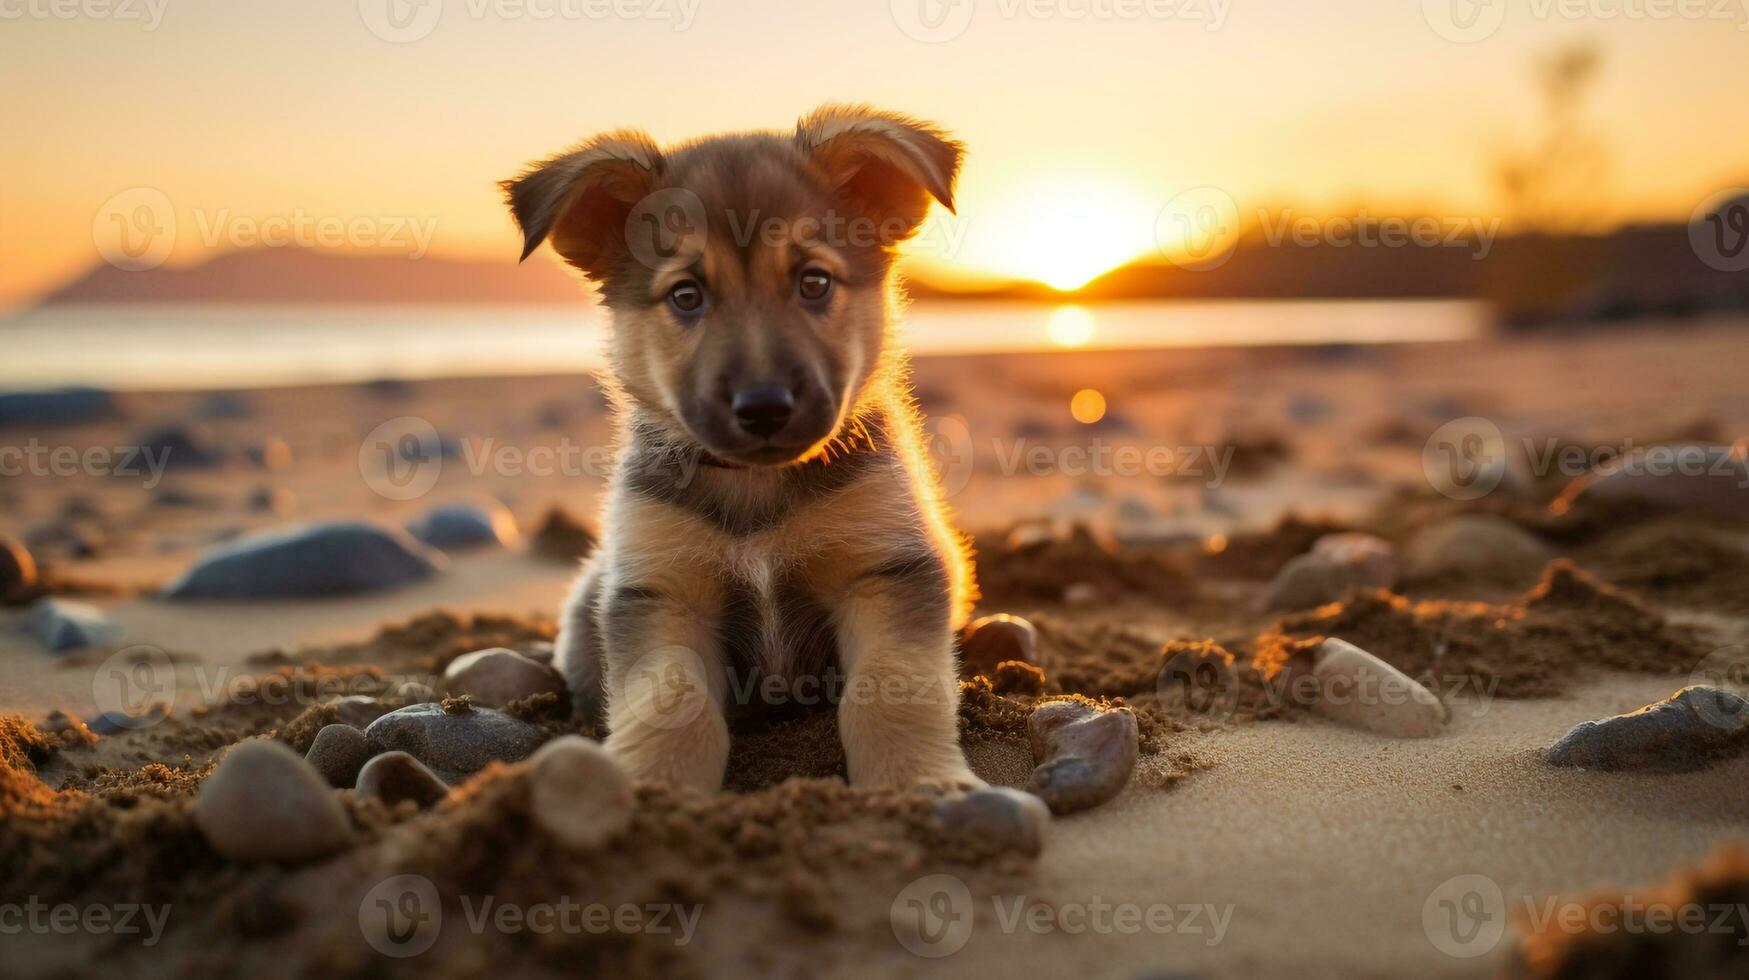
1083, 117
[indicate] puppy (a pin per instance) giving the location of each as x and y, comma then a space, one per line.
772, 531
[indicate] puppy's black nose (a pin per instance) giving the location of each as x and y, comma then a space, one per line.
763, 409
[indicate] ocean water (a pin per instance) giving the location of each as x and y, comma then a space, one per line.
157, 346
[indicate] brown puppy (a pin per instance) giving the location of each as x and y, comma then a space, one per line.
772, 534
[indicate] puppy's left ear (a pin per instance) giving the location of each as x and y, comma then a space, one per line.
885, 164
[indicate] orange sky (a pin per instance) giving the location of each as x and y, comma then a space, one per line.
1084, 117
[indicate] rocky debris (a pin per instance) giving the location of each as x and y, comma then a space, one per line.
115, 722
1358, 689
499, 676
321, 559
453, 737
62, 406
358, 710
1681, 733
1481, 547
1084, 752
1690, 476
17, 568
562, 537
458, 526
338, 753
1336, 563
61, 626
396, 776
265, 803
997, 639
578, 794
998, 816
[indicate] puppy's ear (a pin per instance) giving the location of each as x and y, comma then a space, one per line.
580, 198
885, 164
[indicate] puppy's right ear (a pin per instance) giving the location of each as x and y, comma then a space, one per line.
581, 198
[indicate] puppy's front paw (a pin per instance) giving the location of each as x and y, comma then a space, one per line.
937, 779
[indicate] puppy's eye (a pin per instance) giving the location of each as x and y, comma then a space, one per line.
814, 285
686, 298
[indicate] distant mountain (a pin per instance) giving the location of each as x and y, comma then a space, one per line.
301, 275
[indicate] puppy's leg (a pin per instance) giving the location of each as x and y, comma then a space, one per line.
577, 651
665, 685
899, 717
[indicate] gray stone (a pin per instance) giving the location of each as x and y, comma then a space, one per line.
117, 722
396, 776
1360, 690
338, 753
457, 526
1476, 546
63, 406
457, 742
335, 558
996, 639
1691, 476
179, 447
1336, 563
1000, 816
358, 711
1681, 733
62, 626
578, 794
265, 803
1085, 754
499, 676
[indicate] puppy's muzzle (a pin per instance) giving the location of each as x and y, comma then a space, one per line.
762, 410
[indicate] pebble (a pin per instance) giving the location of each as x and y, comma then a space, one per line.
265, 803
62, 406
457, 526
319, 559
539, 651
499, 676
1006, 818
1084, 753
578, 794
272, 454
117, 722
1336, 563
338, 753
1476, 546
396, 776
62, 626
358, 711
178, 447
272, 500
562, 537
1681, 733
17, 567
997, 639
1682, 476
1358, 689
455, 743
1081, 594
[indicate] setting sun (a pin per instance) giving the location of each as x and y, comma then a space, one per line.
1070, 234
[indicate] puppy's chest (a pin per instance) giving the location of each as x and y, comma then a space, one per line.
775, 626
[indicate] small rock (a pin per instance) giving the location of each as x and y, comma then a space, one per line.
1015, 677
272, 454
358, 711
338, 753
578, 794
396, 776
60, 625
1081, 594
1084, 753
454, 738
1336, 563
1681, 733
63, 406
321, 559
1003, 817
499, 676
1358, 689
1476, 546
265, 803
457, 526
272, 500
995, 639
116, 722
179, 447
17, 567
539, 651
1682, 476
1032, 534
562, 537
